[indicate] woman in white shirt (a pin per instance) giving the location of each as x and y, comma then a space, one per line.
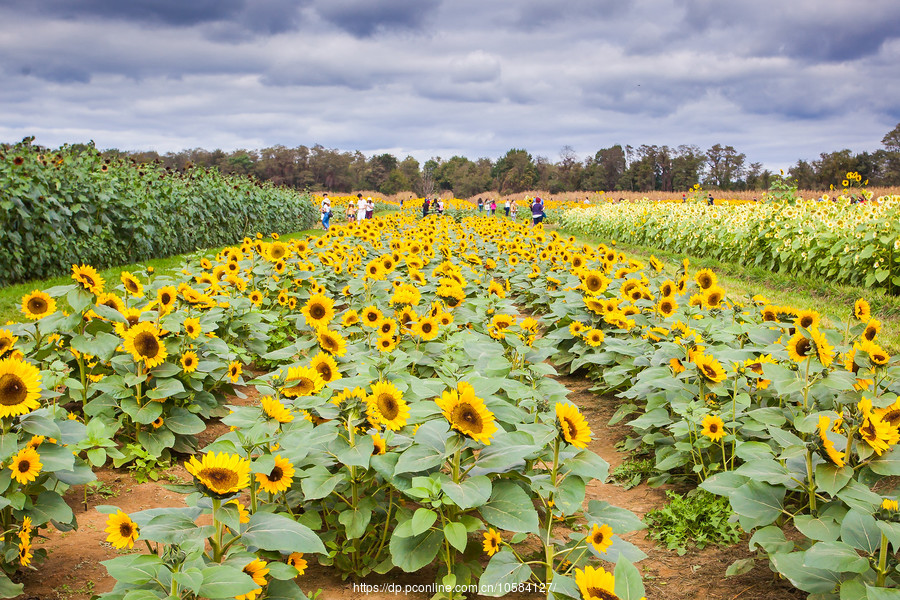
360, 208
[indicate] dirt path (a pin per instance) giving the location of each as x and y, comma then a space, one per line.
73, 570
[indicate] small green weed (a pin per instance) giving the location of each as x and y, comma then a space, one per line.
145, 466
632, 472
697, 518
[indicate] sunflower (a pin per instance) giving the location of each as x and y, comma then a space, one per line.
189, 361
88, 277
873, 327
713, 427
132, 285
256, 297
594, 337
279, 479
756, 365
332, 342
297, 561
26, 465
705, 279
667, 306
220, 475
386, 343
38, 305
234, 371
467, 413
258, 571
596, 584
7, 341
877, 355
326, 366
379, 445
351, 317
676, 365
20, 387
824, 350
192, 327
572, 424
708, 367
387, 327
879, 434
122, 530
426, 328
166, 297
371, 316
492, 542
318, 310
800, 348
143, 341
600, 537
595, 305
890, 414
835, 456
807, 319
575, 328
275, 409
862, 310
302, 381
25, 554
386, 406
713, 296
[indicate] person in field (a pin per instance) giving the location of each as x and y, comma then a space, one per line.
370, 207
360, 208
350, 213
325, 208
514, 209
425, 206
480, 205
493, 207
537, 211
506, 206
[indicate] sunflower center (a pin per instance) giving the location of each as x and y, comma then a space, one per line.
709, 371
12, 390
130, 285
276, 475
426, 327
467, 418
803, 347
806, 322
24, 466
387, 404
600, 594
166, 299
125, 530
317, 311
37, 306
219, 478
713, 428
146, 345
88, 280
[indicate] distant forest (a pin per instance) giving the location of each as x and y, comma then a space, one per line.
622, 168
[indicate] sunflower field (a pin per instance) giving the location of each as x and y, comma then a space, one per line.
71, 205
409, 421
842, 242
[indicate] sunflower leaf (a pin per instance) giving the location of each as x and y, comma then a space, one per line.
271, 531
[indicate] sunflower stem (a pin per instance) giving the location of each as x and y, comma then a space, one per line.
217, 546
549, 549
882, 561
811, 483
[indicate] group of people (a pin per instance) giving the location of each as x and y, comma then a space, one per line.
437, 205
511, 208
363, 208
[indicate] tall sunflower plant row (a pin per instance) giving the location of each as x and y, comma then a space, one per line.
795, 423
409, 411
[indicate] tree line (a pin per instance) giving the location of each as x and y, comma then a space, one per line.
617, 168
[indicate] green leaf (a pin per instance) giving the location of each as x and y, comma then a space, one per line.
422, 520
876, 593
358, 455
456, 535
757, 504
471, 493
621, 520
860, 530
49, 506
628, 584
570, 495
740, 567
589, 465
808, 579
418, 458
502, 573
355, 521
271, 531
891, 531
413, 553
223, 581
888, 464
135, 569
319, 482
505, 452
184, 422
510, 508
831, 479
823, 529
835, 556
170, 529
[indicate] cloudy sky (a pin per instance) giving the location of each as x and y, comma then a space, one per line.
777, 79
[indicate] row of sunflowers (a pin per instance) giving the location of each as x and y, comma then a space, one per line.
407, 417
838, 241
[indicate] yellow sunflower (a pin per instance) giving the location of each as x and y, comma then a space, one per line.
220, 475
713, 296
600, 537
88, 278
257, 569
275, 409
234, 371
709, 368
371, 316
879, 434
351, 317
573, 425
862, 310
302, 381
834, 455
189, 361
332, 342
122, 530
25, 554
705, 279
166, 297
20, 387
492, 542
132, 284
713, 427
807, 319
143, 341
386, 343
386, 406
297, 561
326, 366
467, 413
38, 305
667, 306
596, 584
873, 327
318, 310
279, 479
426, 328
379, 444
7, 341
594, 337
26, 465
800, 347
192, 327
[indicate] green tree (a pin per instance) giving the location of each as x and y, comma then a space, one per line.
515, 172
725, 166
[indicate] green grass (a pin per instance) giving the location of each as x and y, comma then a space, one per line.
11, 296
833, 301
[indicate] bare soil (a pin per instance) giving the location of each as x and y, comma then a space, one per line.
73, 570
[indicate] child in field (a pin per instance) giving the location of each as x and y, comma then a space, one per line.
326, 211
370, 208
350, 212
